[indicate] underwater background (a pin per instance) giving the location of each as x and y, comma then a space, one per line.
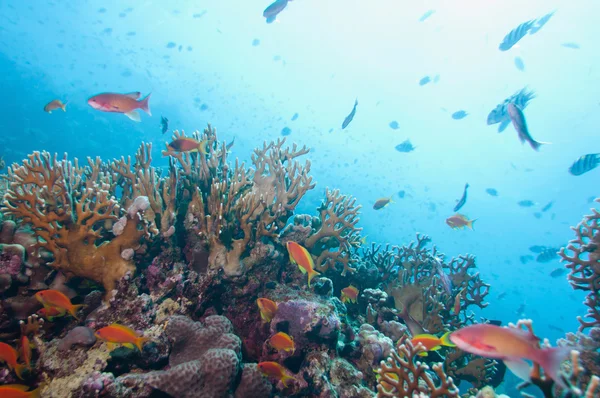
411, 72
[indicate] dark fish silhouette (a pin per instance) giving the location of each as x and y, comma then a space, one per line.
463, 199
558, 272
500, 113
295, 116
547, 255
286, 131
349, 118
271, 12
519, 63
424, 81
537, 248
164, 124
405, 147
548, 206
492, 191
460, 115
584, 164
526, 203
520, 124
230, 145
515, 35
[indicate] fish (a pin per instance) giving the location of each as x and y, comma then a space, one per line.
188, 144
405, 147
539, 23
255, 42
525, 259
556, 328
9, 355
122, 103
382, 202
520, 124
424, 80
18, 391
511, 345
282, 342
571, 45
456, 307
547, 255
426, 15
515, 35
459, 221
286, 131
558, 272
526, 203
444, 278
460, 115
54, 298
350, 294
51, 313
164, 124
350, 116
394, 125
584, 164
502, 295
302, 258
414, 327
548, 206
463, 199
519, 63
230, 145
537, 248
271, 12
436, 78
500, 113
276, 371
54, 105
381, 380
294, 117
401, 193
25, 350
491, 191
268, 309
121, 334
432, 342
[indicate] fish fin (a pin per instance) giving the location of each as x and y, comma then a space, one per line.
202, 147
470, 224
301, 269
135, 95
140, 341
503, 125
311, 275
519, 367
537, 144
74, 308
19, 387
145, 104
445, 339
131, 346
285, 379
133, 115
422, 354
19, 369
64, 106
111, 346
550, 360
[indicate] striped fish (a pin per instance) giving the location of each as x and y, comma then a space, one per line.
515, 35
584, 164
500, 114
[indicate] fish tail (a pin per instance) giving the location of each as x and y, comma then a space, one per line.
35, 393
470, 224
550, 360
74, 308
286, 378
64, 106
537, 144
139, 342
311, 275
202, 147
145, 104
19, 369
445, 340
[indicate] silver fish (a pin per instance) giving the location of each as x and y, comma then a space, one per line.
520, 124
584, 164
349, 118
500, 114
515, 35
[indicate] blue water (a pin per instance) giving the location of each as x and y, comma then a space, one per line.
219, 62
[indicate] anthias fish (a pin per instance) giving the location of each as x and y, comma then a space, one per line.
121, 103
432, 342
349, 118
405, 147
51, 313
121, 334
276, 371
460, 221
350, 294
520, 124
9, 355
188, 144
282, 342
54, 298
463, 199
302, 258
18, 391
382, 202
584, 164
268, 309
54, 105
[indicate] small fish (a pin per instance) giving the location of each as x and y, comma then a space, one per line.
436, 78
525, 259
230, 145
424, 80
164, 124
537, 248
295, 116
350, 294
426, 15
511, 345
51, 313
54, 105
382, 381
492, 192
584, 164
401, 194
268, 309
18, 391
188, 144
460, 221
460, 115
302, 258
54, 298
456, 307
405, 147
350, 116
547, 255
500, 113
539, 23
121, 103
282, 342
121, 334
520, 124
255, 42
276, 371
515, 35
271, 12
558, 272
463, 199
526, 203
572, 45
286, 131
382, 202
432, 342
10, 355
394, 125
519, 63
25, 350
502, 295
548, 206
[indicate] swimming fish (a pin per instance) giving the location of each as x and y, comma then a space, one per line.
405, 147
282, 342
519, 63
574, 46
164, 124
10, 355
55, 298
54, 105
424, 80
188, 144
431, 342
463, 199
286, 131
51, 313
539, 23
547, 255
584, 164
25, 350
294, 117
268, 309
548, 206
558, 272
515, 35
511, 345
492, 192
537, 248
459, 115
456, 307
121, 334
500, 113
426, 15
302, 258
460, 221
121, 103
526, 203
230, 145
382, 202
276, 371
349, 118
444, 278
350, 294
518, 119
18, 391
394, 125
271, 12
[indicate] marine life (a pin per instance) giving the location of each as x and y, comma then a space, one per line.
51, 313
526, 203
424, 80
519, 63
539, 23
584, 164
463, 199
432, 342
276, 371
426, 15
25, 350
571, 45
500, 113
515, 35
547, 255
18, 391
456, 307
9, 356
382, 202
230, 145
394, 125
558, 272
294, 116
268, 309
525, 259
459, 221
271, 12
491, 191
164, 124
302, 258
548, 206
54, 105
121, 103
188, 144
520, 125
350, 294
461, 114
286, 131
405, 147
282, 342
537, 248
54, 298
121, 334
350, 116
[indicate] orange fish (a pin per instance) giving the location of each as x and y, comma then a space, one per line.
25, 351
459, 221
187, 144
302, 258
282, 342
54, 105
120, 334
53, 298
276, 371
18, 391
381, 203
267, 308
431, 342
350, 294
9, 355
121, 103
381, 380
456, 307
51, 312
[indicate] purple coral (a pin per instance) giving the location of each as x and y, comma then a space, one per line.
79, 335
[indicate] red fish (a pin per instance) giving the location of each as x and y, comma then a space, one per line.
187, 144
9, 355
51, 312
54, 105
121, 103
25, 351
18, 391
282, 342
302, 258
457, 306
276, 371
120, 334
432, 342
350, 294
54, 298
268, 309
459, 221
511, 345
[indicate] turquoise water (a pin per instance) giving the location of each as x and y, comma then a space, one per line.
315, 61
